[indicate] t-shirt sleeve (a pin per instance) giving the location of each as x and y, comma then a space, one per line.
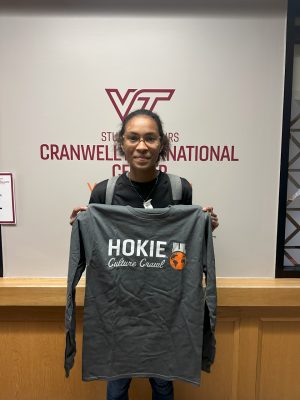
187, 192
98, 193
209, 341
77, 263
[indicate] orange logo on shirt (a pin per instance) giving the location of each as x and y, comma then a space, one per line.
178, 260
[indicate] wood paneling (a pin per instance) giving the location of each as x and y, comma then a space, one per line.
279, 360
32, 356
32, 345
258, 351
223, 377
247, 358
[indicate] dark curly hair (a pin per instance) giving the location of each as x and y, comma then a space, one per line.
165, 142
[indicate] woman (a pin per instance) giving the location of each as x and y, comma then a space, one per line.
142, 141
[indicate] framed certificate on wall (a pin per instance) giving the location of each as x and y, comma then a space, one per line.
7, 199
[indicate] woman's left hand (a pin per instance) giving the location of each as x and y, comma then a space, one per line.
214, 217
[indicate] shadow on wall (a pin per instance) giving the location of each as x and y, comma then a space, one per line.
131, 7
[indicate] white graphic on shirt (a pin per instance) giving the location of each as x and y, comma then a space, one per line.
144, 254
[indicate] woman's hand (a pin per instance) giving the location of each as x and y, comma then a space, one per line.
75, 212
214, 217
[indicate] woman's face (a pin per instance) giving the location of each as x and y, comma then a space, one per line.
141, 143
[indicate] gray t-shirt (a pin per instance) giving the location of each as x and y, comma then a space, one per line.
146, 312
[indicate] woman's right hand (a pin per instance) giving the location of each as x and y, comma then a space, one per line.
75, 212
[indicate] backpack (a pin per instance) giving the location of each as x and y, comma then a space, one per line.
175, 182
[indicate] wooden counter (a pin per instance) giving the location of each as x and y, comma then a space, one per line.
232, 292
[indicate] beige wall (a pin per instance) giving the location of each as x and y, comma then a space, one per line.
227, 71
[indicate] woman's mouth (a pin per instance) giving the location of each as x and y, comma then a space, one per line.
141, 158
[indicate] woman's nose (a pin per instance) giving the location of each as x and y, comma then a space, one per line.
142, 145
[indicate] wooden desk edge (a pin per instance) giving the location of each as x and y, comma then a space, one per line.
232, 292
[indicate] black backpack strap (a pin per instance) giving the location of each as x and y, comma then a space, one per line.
175, 181
110, 189
176, 186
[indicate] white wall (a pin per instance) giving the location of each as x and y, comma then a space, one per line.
227, 71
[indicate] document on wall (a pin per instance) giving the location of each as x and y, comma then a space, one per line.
7, 199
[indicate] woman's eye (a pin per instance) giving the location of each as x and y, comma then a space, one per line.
150, 139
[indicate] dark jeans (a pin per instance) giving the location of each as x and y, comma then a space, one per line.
118, 389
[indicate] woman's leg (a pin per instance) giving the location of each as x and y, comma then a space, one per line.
118, 389
161, 389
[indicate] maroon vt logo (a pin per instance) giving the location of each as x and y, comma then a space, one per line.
134, 98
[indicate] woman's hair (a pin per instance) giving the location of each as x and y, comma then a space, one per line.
165, 142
